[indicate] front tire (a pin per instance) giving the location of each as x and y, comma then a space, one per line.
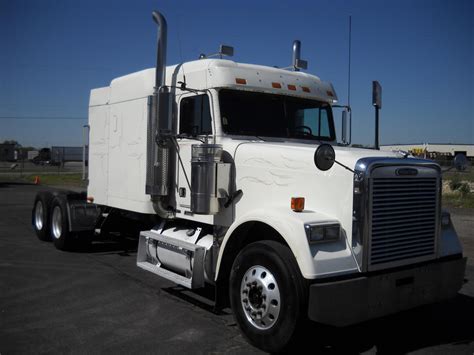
267, 295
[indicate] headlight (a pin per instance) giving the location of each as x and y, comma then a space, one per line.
322, 232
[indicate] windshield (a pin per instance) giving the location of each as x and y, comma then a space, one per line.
269, 115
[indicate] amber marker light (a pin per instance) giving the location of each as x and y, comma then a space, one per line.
276, 85
292, 87
241, 81
297, 204
305, 89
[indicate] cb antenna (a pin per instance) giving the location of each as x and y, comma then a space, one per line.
349, 69
183, 83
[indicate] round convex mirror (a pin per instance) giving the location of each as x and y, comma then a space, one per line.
460, 162
324, 157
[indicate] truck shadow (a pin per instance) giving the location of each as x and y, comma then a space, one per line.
449, 322
118, 246
202, 298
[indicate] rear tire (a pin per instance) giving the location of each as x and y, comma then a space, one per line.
62, 238
267, 295
41, 215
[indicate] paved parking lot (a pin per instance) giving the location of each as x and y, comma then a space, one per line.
99, 301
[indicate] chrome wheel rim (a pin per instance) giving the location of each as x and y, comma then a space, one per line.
56, 222
39, 215
260, 297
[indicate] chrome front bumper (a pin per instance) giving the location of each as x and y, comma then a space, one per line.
354, 300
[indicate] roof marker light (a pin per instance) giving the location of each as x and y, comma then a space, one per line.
276, 85
241, 81
305, 89
291, 87
329, 92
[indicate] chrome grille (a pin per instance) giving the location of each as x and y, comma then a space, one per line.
403, 219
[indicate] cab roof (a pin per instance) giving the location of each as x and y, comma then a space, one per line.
205, 74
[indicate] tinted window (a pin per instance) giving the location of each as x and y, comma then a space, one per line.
195, 116
251, 113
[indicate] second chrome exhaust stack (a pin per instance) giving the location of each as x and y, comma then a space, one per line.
298, 63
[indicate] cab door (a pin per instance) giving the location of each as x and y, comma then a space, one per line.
194, 127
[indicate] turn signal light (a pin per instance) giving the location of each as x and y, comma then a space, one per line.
297, 204
240, 81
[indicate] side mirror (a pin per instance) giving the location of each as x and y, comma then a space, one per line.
346, 124
344, 127
460, 162
228, 51
376, 94
324, 157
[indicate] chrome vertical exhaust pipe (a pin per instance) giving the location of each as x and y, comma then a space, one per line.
160, 74
159, 137
296, 54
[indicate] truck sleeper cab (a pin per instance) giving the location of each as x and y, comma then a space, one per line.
233, 168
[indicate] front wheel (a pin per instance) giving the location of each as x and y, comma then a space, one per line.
267, 294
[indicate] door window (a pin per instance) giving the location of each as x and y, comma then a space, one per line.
195, 116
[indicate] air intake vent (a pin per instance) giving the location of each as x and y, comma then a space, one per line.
403, 220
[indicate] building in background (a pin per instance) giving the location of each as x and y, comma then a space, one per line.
434, 150
7, 152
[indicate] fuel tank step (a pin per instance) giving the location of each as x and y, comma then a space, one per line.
173, 259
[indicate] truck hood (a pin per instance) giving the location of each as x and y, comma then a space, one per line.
270, 173
345, 155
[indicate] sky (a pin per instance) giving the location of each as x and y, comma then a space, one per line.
53, 52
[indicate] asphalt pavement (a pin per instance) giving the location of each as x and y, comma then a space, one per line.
99, 302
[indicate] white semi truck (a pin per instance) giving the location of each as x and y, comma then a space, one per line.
235, 176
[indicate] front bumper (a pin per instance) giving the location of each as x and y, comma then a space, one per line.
358, 299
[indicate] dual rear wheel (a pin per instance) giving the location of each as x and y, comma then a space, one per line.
51, 223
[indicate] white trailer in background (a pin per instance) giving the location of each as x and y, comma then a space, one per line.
236, 177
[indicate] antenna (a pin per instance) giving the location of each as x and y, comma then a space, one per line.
347, 108
183, 84
349, 69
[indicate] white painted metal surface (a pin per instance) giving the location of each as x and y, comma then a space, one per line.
270, 174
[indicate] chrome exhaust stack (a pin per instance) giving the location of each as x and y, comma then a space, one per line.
159, 135
160, 73
298, 63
